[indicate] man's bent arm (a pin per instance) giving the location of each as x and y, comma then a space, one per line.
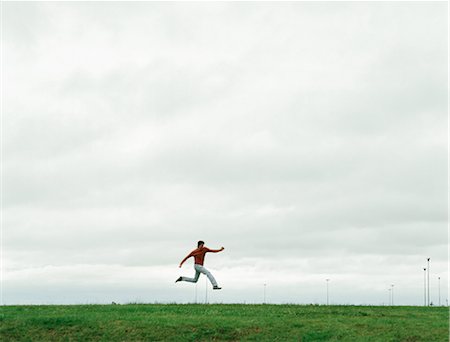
216, 250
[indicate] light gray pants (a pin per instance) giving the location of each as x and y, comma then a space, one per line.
200, 269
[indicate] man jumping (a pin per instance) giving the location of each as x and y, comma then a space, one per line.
199, 256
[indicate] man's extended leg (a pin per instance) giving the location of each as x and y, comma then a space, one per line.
191, 280
203, 270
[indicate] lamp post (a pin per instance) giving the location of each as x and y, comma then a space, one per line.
196, 293
428, 282
264, 302
206, 290
392, 293
439, 290
424, 286
328, 297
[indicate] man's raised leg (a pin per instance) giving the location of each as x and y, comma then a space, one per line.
210, 277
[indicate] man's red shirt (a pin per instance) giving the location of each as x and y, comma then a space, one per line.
199, 255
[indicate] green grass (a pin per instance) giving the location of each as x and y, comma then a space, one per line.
215, 322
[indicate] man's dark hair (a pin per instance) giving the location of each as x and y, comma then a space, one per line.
200, 243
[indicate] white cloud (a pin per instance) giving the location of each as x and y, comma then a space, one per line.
298, 135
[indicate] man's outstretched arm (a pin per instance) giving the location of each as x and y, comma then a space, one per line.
216, 250
187, 257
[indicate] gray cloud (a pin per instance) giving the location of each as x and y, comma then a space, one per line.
298, 135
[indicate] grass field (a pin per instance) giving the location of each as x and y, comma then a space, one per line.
158, 322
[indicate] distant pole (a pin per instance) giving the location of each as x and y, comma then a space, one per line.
206, 290
389, 291
428, 281
424, 286
327, 292
392, 293
439, 290
264, 302
196, 293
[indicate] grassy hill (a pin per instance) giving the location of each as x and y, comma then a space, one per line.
197, 322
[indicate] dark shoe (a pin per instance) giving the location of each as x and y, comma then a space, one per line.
217, 288
179, 279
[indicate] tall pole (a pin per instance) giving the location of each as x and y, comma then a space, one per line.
424, 286
428, 282
389, 291
328, 297
439, 290
206, 290
196, 293
392, 293
264, 294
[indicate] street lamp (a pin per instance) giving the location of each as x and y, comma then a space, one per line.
424, 286
439, 290
327, 292
196, 293
428, 281
206, 290
264, 294
392, 293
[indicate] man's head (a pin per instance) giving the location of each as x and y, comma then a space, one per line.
200, 243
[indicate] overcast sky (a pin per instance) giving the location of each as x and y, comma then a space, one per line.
308, 139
